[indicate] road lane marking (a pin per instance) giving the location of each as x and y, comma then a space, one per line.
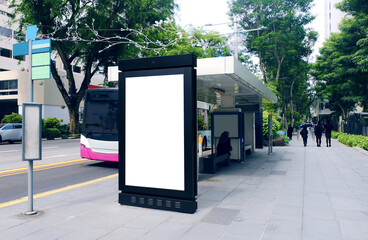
43, 167
8, 151
62, 155
56, 156
25, 199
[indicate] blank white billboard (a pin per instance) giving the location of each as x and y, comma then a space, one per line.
154, 132
31, 129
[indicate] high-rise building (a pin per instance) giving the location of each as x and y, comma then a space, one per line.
332, 16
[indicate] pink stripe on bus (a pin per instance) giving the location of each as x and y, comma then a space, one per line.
88, 153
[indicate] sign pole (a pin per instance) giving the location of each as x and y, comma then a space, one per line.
30, 81
270, 134
30, 162
32, 112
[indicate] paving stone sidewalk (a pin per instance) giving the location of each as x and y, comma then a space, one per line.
296, 192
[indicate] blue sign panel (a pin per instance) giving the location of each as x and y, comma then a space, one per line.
31, 32
20, 49
40, 46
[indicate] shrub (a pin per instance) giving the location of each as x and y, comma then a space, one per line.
286, 139
352, 140
334, 134
278, 142
275, 126
52, 133
64, 129
52, 122
12, 118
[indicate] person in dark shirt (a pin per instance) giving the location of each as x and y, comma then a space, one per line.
328, 130
304, 134
224, 145
290, 132
318, 130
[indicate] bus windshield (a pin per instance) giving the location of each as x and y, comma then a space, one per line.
101, 115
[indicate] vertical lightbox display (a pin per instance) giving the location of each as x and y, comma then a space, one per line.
157, 133
233, 123
32, 131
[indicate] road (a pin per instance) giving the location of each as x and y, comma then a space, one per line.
52, 151
60, 166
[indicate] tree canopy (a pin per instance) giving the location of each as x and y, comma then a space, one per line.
341, 69
282, 46
95, 34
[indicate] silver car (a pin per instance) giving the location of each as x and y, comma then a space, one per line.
10, 132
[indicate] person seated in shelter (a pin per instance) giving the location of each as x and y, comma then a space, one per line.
224, 145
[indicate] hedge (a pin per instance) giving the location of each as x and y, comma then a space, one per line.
12, 118
351, 140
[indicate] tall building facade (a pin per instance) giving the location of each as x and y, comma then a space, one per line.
333, 17
14, 76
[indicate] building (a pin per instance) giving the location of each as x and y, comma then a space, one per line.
332, 17
14, 76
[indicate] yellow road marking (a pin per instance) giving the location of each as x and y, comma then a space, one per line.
42, 167
25, 199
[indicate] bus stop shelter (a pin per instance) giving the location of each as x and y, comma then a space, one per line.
235, 89
226, 82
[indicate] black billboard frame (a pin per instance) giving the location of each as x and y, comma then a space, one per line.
157, 198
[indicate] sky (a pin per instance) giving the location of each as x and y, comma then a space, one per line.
201, 12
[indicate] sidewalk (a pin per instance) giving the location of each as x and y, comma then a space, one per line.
296, 192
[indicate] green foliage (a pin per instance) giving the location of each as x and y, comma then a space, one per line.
335, 134
286, 139
52, 128
282, 47
52, 122
64, 129
51, 133
201, 123
81, 29
275, 126
12, 118
213, 45
342, 67
351, 140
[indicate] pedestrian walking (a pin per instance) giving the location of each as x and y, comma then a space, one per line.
328, 130
304, 134
290, 132
318, 130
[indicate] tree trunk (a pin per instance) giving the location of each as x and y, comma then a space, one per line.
74, 120
284, 120
262, 68
292, 104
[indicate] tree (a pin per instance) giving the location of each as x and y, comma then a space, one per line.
90, 33
331, 76
341, 70
282, 46
203, 44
